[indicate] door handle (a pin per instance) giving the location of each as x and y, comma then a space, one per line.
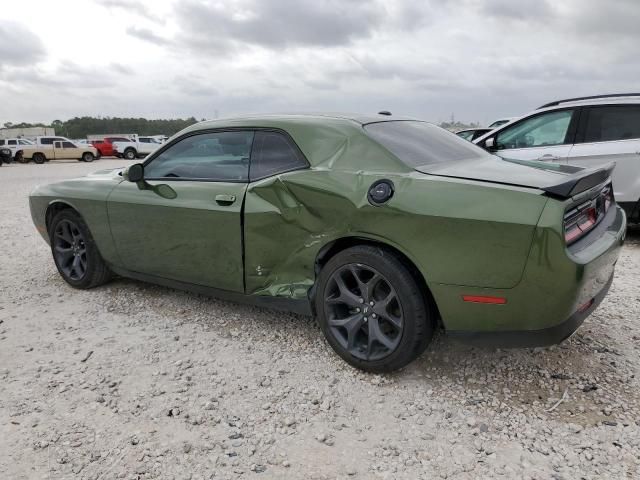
548, 158
225, 199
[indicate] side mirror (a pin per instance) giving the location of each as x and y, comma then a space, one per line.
490, 143
135, 173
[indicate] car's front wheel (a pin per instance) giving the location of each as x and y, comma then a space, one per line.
75, 253
372, 310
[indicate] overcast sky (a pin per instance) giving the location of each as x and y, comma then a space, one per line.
477, 59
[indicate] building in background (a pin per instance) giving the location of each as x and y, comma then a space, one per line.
29, 132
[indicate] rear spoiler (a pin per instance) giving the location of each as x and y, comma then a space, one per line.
581, 181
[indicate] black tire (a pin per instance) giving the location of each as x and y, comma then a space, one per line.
404, 324
75, 252
88, 157
20, 158
39, 158
130, 154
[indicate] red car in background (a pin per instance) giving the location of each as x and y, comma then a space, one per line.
105, 146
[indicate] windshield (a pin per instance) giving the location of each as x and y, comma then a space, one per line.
421, 143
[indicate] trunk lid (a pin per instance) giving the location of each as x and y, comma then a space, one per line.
558, 180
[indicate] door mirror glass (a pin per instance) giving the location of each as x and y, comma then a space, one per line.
135, 173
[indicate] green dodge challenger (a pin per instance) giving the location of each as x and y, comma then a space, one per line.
384, 229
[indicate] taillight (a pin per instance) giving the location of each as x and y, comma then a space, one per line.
583, 218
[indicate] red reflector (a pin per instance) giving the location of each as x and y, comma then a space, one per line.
484, 299
585, 307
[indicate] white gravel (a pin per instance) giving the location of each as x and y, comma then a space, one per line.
136, 381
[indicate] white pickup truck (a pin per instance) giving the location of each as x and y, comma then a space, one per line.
14, 144
53, 148
136, 148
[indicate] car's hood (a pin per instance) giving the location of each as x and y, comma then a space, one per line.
555, 179
497, 170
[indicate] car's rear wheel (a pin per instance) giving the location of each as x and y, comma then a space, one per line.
130, 154
88, 157
372, 310
75, 253
39, 158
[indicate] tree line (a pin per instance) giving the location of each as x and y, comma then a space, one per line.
80, 127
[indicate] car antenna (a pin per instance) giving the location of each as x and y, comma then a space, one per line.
385, 112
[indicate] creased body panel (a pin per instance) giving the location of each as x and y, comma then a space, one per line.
456, 233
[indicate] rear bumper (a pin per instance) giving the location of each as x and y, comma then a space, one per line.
560, 287
534, 338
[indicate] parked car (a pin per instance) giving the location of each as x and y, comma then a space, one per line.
136, 148
470, 134
105, 146
15, 145
5, 155
383, 229
586, 132
500, 122
49, 148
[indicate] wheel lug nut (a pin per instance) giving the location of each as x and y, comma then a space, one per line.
371, 303
374, 315
361, 300
358, 310
365, 319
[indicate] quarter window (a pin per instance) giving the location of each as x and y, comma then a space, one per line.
274, 153
12, 142
542, 130
219, 156
614, 122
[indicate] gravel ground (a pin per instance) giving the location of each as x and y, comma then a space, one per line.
136, 381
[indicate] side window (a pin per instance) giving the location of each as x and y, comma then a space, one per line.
274, 153
46, 141
614, 122
12, 142
467, 135
1, 142
68, 145
218, 156
542, 130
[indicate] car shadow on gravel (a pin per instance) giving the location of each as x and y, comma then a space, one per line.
584, 366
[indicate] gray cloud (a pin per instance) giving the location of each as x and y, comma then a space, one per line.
614, 18
68, 77
147, 35
132, 6
18, 45
279, 24
479, 59
525, 10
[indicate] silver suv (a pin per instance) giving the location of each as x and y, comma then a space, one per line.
586, 132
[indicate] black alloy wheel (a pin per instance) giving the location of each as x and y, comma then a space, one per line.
372, 308
75, 253
364, 312
70, 250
